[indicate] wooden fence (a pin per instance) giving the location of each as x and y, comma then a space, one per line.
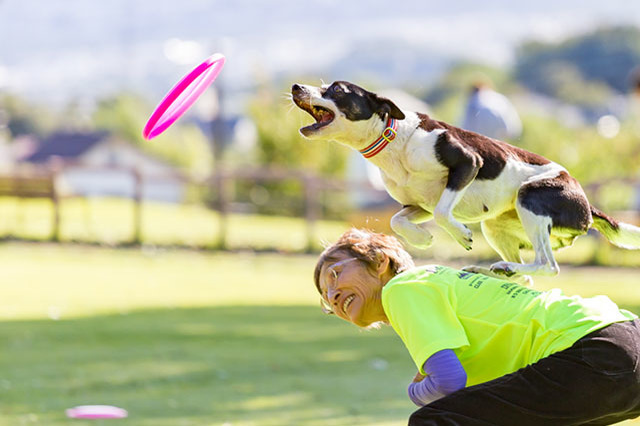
42, 184
34, 185
312, 187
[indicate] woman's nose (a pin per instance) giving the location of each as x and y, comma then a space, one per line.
333, 295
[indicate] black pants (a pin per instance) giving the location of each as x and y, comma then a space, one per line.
594, 382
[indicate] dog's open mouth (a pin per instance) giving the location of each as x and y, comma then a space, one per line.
323, 116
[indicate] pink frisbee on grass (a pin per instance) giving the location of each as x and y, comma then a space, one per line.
96, 412
183, 95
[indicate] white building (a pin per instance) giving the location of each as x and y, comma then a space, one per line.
99, 164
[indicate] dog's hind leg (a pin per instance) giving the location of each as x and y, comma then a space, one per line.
408, 224
538, 229
555, 203
505, 235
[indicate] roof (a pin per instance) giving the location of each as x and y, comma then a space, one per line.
66, 145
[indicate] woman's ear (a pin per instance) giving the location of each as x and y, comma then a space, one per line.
383, 264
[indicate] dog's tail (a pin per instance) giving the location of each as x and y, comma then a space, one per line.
618, 233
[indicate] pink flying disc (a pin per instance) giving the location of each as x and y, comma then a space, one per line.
96, 412
183, 95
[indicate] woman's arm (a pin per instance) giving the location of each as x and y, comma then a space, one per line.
445, 375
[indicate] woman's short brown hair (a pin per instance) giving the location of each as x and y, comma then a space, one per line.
366, 246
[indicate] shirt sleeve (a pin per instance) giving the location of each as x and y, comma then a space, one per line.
445, 375
424, 317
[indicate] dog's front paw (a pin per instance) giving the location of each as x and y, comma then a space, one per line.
475, 269
463, 235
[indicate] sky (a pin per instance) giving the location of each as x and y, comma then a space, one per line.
55, 51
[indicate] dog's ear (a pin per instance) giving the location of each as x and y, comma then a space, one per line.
385, 106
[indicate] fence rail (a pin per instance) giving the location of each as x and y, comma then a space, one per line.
46, 184
34, 185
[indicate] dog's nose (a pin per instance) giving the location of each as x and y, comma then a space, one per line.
296, 88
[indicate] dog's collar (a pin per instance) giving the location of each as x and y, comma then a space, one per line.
388, 135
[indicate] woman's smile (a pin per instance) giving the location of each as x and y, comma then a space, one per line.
351, 290
347, 302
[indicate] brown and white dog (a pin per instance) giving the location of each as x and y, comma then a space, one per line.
441, 172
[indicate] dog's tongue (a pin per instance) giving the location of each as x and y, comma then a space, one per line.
325, 116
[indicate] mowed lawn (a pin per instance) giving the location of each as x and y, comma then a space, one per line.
202, 338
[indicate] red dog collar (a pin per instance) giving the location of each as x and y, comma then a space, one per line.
388, 135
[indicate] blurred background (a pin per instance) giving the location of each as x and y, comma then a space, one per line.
173, 277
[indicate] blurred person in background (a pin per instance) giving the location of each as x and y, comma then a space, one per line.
634, 79
488, 351
634, 117
491, 114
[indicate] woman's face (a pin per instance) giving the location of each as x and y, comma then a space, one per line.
352, 291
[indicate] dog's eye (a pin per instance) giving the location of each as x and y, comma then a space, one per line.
337, 89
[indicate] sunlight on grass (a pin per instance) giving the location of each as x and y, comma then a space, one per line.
337, 356
111, 221
620, 284
50, 281
56, 282
279, 401
204, 338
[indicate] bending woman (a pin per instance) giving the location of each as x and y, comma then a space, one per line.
488, 351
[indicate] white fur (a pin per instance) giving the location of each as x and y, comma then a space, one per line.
628, 236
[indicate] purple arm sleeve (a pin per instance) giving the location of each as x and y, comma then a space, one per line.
445, 375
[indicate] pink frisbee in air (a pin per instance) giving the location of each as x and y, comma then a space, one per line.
183, 95
96, 412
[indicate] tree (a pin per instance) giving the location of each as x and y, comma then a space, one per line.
280, 143
597, 62
184, 145
23, 118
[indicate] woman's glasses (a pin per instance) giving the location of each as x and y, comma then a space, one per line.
330, 282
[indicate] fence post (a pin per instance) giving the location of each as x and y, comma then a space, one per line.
311, 209
54, 171
55, 202
220, 183
137, 205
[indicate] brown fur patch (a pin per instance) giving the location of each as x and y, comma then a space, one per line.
596, 213
494, 153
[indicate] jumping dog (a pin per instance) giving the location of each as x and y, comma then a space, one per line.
453, 176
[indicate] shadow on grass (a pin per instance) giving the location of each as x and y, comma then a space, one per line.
243, 365
236, 365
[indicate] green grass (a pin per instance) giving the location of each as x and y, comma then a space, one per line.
201, 338
111, 221
260, 365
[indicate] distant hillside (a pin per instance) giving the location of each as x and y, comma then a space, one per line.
581, 67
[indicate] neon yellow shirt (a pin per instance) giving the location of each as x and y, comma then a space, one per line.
494, 326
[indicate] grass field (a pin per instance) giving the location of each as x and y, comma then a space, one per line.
200, 338
110, 221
